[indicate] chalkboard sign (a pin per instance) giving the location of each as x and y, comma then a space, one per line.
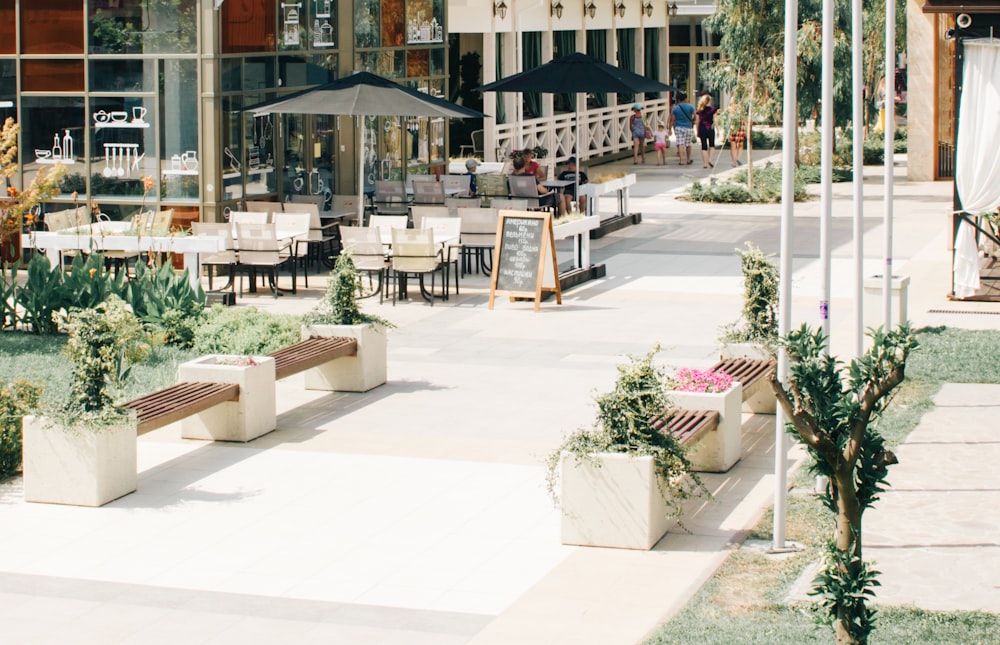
525, 257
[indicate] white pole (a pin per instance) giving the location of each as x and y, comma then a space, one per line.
361, 173
826, 181
890, 130
858, 130
789, 123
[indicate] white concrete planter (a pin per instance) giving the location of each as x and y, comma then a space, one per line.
760, 398
253, 415
78, 467
358, 373
719, 450
616, 504
873, 288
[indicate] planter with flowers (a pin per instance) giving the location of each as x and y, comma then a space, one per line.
623, 483
339, 315
694, 389
252, 415
84, 452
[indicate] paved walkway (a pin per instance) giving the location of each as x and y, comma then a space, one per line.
416, 513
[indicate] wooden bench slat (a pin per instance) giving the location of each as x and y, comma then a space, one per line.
310, 353
746, 371
687, 426
178, 401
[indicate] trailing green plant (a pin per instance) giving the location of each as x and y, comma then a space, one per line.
340, 304
103, 342
758, 323
625, 424
245, 331
16, 400
833, 410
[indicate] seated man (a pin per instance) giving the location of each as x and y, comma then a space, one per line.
546, 197
470, 167
570, 174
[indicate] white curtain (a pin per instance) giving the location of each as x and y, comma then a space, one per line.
977, 163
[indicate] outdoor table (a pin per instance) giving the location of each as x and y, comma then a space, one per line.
619, 185
116, 236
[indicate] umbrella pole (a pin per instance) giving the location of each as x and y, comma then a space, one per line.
576, 153
361, 174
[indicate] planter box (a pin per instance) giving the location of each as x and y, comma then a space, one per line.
719, 450
78, 467
872, 302
358, 373
617, 504
253, 415
759, 398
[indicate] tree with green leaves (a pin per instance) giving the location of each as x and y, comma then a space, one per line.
833, 410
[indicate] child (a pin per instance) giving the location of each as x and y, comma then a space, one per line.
660, 139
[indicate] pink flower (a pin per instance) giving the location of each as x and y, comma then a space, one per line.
691, 380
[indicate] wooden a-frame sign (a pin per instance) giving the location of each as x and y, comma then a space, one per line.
525, 265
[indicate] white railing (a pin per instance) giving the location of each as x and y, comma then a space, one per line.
606, 132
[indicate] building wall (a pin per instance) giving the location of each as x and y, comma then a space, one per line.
924, 95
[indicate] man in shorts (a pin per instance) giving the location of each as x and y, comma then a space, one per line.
681, 123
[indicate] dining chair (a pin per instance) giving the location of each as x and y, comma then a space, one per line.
460, 184
262, 206
323, 241
390, 198
364, 244
414, 254
346, 204
385, 224
418, 213
448, 235
226, 257
509, 204
454, 203
428, 192
259, 248
479, 238
296, 228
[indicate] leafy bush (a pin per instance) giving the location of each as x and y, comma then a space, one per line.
164, 299
16, 400
340, 305
245, 331
766, 139
766, 188
759, 321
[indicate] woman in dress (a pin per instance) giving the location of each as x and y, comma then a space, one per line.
637, 127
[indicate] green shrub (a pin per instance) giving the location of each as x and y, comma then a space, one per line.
766, 139
766, 188
16, 400
164, 299
245, 331
42, 295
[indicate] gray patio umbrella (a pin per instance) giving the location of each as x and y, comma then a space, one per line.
576, 73
363, 94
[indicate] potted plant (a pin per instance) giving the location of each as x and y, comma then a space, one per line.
339, 315
755, 334
694, 389
84, 452
622, 483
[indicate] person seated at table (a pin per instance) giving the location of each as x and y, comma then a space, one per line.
470, 168
546, 197
532, 166
570, 173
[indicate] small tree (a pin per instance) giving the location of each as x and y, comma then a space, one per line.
833, 410
758, 323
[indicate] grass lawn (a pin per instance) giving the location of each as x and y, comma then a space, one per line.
746, 600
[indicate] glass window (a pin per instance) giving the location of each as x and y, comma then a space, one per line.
122, 147
389, 63
143, 26
180, 158
122, 75
8, 21
8, 80
232, 150
418, 63
324, 33
392, 23
232, 74
52, 27
424, 21
302, 71
258, 73
248, 26
52, 75
680, 35
437, 61
367, 14
258, 162
52, 130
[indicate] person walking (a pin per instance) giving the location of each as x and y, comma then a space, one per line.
705, 122
681, 124
660, 143
637, 126
737, 137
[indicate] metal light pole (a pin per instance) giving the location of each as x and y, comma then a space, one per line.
858, 131
889, 134
789, 123
826, 171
